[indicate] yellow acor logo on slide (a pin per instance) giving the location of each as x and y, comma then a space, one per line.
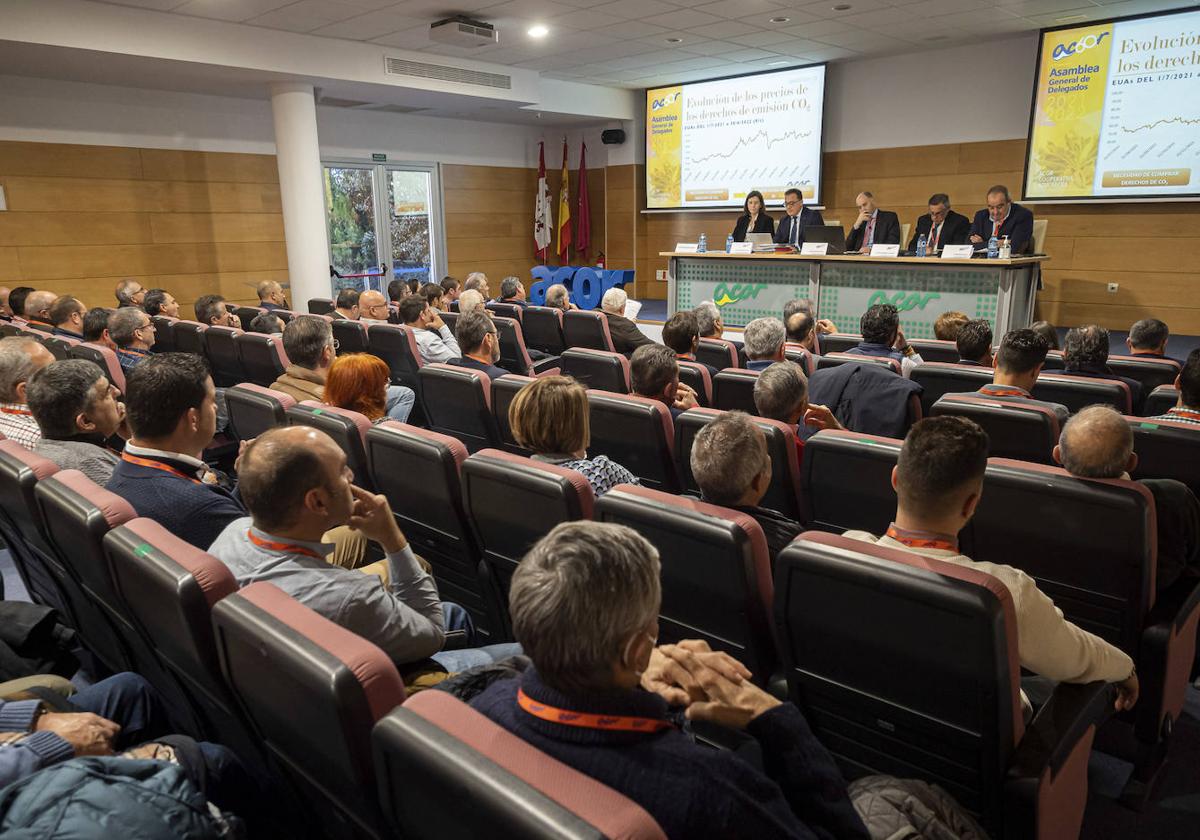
664, 146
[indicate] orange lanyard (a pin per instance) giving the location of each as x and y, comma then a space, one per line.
155, 465
921, 542
284, 548
20, 412
1184, 412
607, 723
1003, 392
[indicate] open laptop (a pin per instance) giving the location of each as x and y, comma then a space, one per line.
833, 234
761, 241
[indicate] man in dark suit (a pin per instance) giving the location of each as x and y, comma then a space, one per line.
790, 230
626, 337
873, 226
1085, 353
1003, 218
476, 334
941, 225
654, 374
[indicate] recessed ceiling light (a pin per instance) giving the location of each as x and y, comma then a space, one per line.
777, 63
842, 7
538, 31
674, 40
1071, 18
779, 20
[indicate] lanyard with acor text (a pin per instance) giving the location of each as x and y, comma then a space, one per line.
156, 465
921, 542
584, 720
283, 548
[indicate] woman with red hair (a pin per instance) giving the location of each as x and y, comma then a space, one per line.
359, 382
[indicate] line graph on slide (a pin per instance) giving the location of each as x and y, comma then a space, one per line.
749, 142
1164, 121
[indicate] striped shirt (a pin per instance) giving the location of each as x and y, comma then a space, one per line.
1190, 416
17, 423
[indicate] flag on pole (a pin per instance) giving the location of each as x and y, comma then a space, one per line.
583, 220
542, 220
564, 211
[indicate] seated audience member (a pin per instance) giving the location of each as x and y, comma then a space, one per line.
477, 281
359, 382
801, 332
513, 291
414, 286
129, 293
1098, 443
372, 308
95, 327
20, 359
346, 305
947, 325
297, 487
654, 373
451, 289
781, 393
975, 343
16, 300
626, 337
77, 411
1187, 408
584, 604
308, 342
434, 295
938, 481
171, 407
557, 297
1085, 353
434, 338
212, 311
764, 343
708, 320
160, 302
67, 314
1047, 331
37, 309
397, 290
266, 323
882, 336
682, 334
1018, 364
469, 300
271, 296
134, 332
6, 313
550, 418
480, 343
1148, 337
805, 305
732, 467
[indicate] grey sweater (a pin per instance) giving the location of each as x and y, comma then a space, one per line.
94, 461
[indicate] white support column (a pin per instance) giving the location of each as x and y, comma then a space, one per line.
298, 154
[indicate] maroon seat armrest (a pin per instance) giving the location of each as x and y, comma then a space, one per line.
1167, 650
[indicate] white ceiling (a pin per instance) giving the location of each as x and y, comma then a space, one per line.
625, 42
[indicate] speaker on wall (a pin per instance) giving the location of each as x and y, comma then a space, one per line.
612, 136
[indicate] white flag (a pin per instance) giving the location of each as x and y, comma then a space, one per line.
542, 221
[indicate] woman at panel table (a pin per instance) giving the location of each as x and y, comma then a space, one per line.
754, 219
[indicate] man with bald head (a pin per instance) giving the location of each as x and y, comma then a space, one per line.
1098, 443
372, 307
37, 309
20, 358
129, 292
270, 296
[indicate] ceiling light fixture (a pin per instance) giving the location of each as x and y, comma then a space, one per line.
538, 31
674, 40
1071, 18
779, 20
777, 63
842, 7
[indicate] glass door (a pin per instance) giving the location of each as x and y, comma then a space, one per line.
410, 215
350, 217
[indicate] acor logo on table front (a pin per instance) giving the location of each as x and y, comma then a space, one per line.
727, 293
904, 301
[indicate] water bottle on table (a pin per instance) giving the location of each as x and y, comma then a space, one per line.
993, 250
729, 243
702, 248
922, 245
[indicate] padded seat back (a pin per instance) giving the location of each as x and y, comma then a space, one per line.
716, 571
504, 391
1167, 450
164, 333
698, 377
586, 329
434, 747
223, 356
514, 356
458, 402
935, 696
103, 358
450, 319
1161, 400
189, 336
543, 329
246, 314
505, 310
604, 370
397, 346
636, 433
312, 690
848, 482
254, 408
1149, 371
351, 336
838, 342
418, 471
1024, 431
1077, 392
940, 378
347, 428
799, 355
834, 359
262, 356
59, 346
733, 390
718, 352
935, 350
320, 306
24, 530
1054, 361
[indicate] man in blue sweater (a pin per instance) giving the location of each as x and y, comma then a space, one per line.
584, 604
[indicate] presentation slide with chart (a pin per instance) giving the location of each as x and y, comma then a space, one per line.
1116, 111
710, 143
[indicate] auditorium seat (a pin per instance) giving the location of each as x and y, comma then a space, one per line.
1023, 431
312, 691
941, 378
1167, 450
717, 352
637, 433
434, 747
418, 471
514, 355
1091, 544
586, 329
450, 319
397, 346
733, 390
935, 350
246, 314
848, 482
504, 310
351, 336
838, 342
513, 502
935, 694
59, 346
604, 370
10, 328
347, 428
1054, 361
320, 306
504, 391
1077, 392
698, 377
286, 315
834, 359
1161, 400
103, 358
543, 329
795, 353
255, 408
262, 356
716, 572
189, 337
458, 402
1149, 371
223, 357
164, 333
784, 491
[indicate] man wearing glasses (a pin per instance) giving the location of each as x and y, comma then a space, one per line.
1002, 217
133, 331
791, 228
941, 226
372, 307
